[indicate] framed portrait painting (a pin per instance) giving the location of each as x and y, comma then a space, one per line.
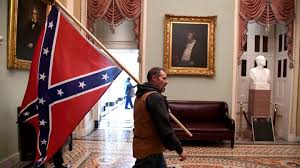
25, 24
189, 45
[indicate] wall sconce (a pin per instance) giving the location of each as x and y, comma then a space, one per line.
1, 40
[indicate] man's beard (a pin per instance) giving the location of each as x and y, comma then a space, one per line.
163, 89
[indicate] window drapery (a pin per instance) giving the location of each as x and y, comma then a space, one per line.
266, 12
114, 12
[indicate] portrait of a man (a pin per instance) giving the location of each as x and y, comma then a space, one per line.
189, 45
31, 16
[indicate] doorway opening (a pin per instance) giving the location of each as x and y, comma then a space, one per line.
112, 114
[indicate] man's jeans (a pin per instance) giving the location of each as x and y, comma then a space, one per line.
128, 101
152, 161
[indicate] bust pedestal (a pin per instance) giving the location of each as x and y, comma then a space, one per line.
259, 102
258, 105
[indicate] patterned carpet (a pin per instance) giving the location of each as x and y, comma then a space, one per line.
110, 147
116, 154
260, 156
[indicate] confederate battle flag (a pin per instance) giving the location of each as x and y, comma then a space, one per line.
68, 76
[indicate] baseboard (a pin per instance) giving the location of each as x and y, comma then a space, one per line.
11, 160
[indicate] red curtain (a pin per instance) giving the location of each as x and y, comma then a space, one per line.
114, 12
266, 12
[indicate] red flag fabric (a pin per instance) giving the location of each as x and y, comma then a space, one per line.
67, 77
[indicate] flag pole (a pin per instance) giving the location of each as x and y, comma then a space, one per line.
112, 57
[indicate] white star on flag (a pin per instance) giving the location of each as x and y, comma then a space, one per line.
50, 25
43, 122
82, 84
44, 142
42, 76
105, 77
45, 51
42, 101
26, 113
60, 92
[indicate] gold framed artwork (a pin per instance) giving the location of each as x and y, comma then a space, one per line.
189, 45
25, 24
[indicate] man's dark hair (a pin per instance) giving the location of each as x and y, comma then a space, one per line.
155, 71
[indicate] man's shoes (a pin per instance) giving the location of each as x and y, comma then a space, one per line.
127, 108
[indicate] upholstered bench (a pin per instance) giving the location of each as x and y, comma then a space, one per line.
206, 120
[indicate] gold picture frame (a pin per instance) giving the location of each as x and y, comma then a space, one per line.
23, 31
189, 45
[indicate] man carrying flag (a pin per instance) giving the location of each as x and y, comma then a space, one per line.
68, 76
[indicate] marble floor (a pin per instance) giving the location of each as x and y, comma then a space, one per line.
110, 147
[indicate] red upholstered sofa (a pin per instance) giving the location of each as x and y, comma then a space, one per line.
206, 120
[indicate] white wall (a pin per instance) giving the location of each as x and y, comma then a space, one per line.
218, 87
12, 88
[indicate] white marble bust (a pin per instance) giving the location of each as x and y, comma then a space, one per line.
260, 76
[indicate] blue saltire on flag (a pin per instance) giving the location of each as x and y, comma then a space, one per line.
68, 76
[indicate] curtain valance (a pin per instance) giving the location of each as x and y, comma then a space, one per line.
114, 12
266, 13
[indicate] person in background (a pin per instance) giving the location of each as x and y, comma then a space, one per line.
153, 132
129, 93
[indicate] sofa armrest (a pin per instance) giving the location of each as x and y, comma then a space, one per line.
230, 123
